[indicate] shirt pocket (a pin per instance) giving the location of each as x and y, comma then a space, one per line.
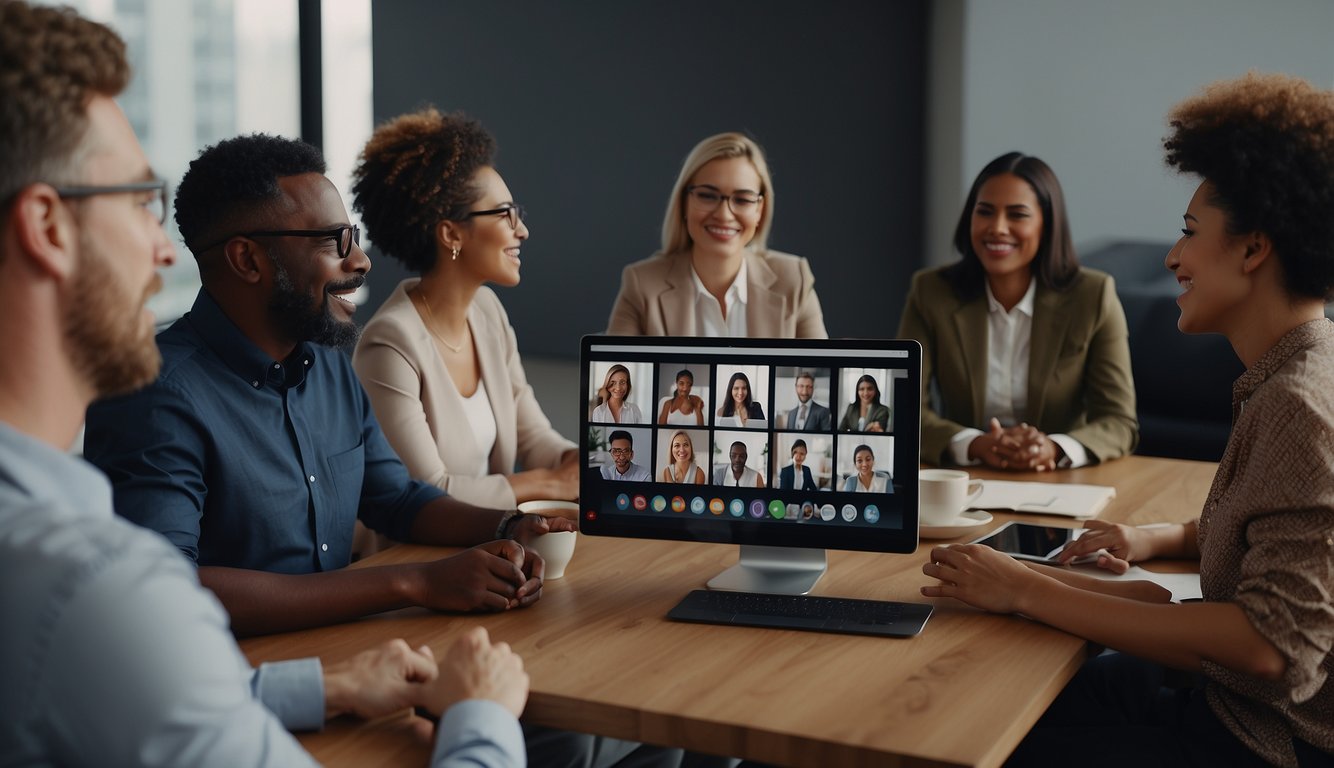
347, 470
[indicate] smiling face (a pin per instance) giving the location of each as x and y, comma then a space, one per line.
309, 299
737, 456
489, 247
621, 453
1006, 227
805, 388
683, 386
866, 392
717, 231
865, 462
618, 386
682, 449
799, 455
1208, 263
740, 391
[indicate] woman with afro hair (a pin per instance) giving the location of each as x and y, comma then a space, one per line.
1250, 664
439, 359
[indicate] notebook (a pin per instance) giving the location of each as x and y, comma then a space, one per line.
1064, 499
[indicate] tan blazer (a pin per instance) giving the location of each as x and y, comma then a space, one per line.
657, 298
1079, 380
421, 412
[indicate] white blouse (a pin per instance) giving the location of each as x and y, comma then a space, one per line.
482, 422
630, 414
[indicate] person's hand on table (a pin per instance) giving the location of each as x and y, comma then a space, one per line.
981, 577
476, 668
494, 576
1029, 448
1020, 448
1124, 544
377, 681
530, 526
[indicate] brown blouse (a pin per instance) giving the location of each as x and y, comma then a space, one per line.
1266, 540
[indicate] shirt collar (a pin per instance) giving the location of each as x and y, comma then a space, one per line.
737, 289
1303, 336
1025, 304
240, 353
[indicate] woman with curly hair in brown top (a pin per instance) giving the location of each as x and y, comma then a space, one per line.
1255, 263
439, 359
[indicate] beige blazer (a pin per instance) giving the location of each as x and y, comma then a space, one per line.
421, 412
1079, 380
657, 298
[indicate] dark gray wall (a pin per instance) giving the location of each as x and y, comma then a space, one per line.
595, 104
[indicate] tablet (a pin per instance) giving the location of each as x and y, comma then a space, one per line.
1029, 541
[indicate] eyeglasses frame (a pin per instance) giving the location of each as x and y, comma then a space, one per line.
515, 213
335, 232
759, 197
81, 191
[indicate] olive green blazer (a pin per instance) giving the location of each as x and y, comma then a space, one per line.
1079, 379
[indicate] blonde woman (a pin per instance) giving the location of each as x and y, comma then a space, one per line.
715, 275
683, 468
613, 405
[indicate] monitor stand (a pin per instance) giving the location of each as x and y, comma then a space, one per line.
775, 570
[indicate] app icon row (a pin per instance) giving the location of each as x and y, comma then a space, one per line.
757, 509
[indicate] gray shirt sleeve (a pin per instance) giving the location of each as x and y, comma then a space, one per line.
293, 691
140, 669
476, 733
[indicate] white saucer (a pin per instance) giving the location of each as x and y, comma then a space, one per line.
965, 523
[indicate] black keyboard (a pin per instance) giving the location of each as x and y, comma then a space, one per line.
818, 614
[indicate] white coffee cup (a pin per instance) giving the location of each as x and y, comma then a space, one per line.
557, 547
943, 493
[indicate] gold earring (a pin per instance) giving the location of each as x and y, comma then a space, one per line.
454, 254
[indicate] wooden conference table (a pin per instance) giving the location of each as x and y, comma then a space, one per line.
603, 658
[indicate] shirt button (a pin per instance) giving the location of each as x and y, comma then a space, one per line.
276, 366
324, 547
254, 383
312, 478
307, 362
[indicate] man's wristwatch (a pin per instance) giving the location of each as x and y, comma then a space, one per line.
507, 522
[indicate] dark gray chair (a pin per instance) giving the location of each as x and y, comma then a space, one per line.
1183, 383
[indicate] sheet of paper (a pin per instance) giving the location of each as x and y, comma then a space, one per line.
1064, 499
1183, 586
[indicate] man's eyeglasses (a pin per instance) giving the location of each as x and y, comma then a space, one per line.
156, 205
622, 451
741, 203
515, 213
345, 236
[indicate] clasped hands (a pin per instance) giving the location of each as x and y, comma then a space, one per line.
395, 676
1020, 448
495, 576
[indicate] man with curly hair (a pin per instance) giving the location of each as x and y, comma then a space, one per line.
1255, 263
256, 449
111, 651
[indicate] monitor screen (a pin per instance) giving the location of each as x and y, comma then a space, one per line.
802, 444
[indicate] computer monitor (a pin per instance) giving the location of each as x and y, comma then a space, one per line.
757, 442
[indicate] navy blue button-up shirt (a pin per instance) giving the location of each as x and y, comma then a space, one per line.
247, 462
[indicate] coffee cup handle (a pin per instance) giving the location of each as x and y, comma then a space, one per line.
976, 483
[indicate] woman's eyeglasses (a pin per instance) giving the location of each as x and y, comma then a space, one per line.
741, 203
515, 214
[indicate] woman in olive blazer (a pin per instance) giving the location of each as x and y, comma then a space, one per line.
1079, 378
